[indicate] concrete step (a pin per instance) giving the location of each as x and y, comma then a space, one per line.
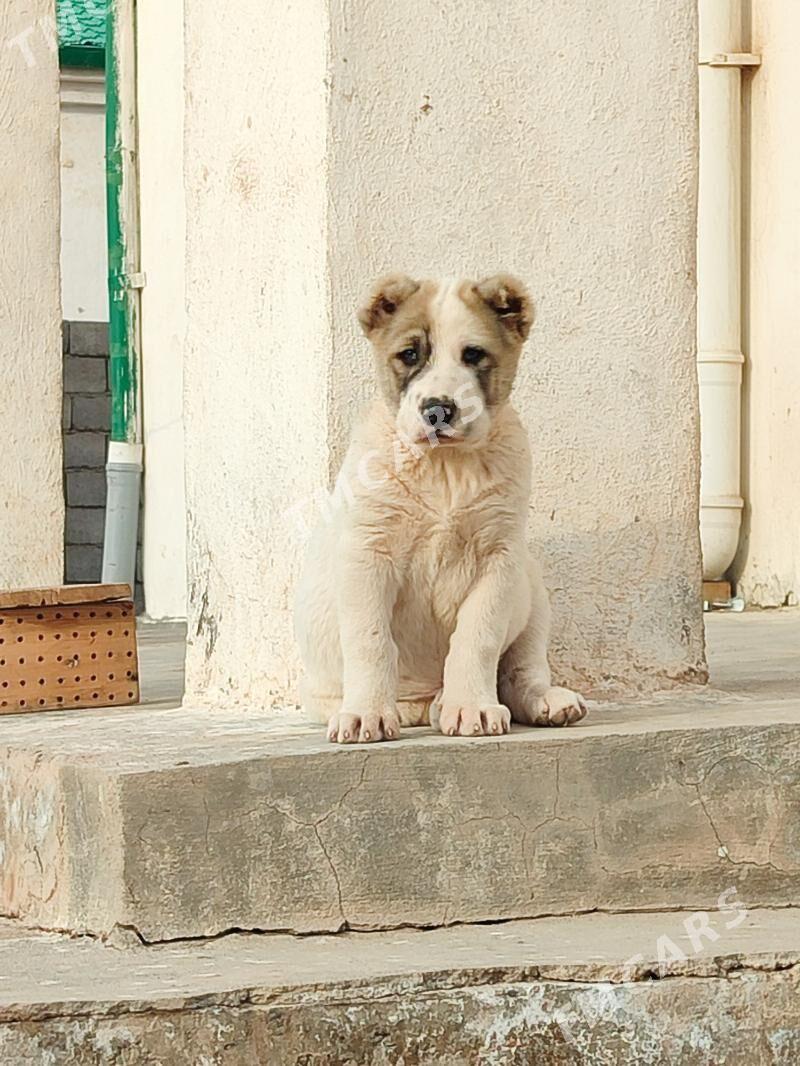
596, 990
180, 822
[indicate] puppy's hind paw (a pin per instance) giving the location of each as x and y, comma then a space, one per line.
558, 706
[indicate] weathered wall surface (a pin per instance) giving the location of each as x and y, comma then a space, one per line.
458, 141
257, 352
768, 566
162, 224
454, 150
31, 494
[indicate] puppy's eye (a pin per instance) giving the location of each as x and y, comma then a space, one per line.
473, 355
408, 356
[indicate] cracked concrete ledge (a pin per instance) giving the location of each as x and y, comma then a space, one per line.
176, 825
669, 987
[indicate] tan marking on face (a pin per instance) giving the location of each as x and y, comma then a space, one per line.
409, 326
502, 346
439, 320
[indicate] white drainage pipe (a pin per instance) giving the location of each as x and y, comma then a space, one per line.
719, 256
123, 478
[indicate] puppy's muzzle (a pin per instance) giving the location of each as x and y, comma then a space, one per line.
437, 413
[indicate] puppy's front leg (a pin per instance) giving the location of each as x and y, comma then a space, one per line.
367, 591
469, 703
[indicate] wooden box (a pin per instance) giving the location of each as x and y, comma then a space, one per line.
73, 646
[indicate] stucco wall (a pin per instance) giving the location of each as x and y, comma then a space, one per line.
257, 345
459, 140
561, 147
768, 566
31, 494
162, 233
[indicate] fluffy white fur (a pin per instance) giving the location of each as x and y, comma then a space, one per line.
419, 600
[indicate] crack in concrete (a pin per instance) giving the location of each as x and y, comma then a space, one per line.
40, 899
140, 831
723, 850
738, 755
315, 828
369, 930
348, 791
277, 809
523, 844
107, 939
335, 873
207, 825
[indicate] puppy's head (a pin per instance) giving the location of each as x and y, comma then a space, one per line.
446, 352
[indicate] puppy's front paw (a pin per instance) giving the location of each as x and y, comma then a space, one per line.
558, 706
464, 721
347, 728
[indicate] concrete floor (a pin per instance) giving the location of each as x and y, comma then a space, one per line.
186, 784
753, 653
753, 650
162, 646
38, 967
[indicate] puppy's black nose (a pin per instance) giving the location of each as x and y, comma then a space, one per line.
438, 412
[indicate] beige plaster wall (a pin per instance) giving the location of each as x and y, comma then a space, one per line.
31, 493
768, 565
257, 339
441, 139
561, 148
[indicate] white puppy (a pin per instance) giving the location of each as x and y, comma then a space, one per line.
419, 600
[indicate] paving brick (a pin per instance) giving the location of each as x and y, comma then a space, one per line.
86, 488
88, 338
91, 412
82, 563
85, 525
65, 337
66, 412
84, 449
84, 374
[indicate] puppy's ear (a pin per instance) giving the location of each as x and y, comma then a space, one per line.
386, 296
509, 300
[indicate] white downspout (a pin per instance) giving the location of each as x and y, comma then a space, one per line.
719, 253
